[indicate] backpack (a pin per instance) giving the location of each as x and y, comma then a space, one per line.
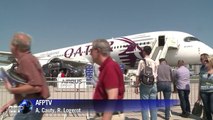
146, 75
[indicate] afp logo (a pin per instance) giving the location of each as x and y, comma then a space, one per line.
26, 106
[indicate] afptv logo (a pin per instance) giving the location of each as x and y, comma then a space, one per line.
25, 106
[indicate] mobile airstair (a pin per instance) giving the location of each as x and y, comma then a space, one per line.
161, 46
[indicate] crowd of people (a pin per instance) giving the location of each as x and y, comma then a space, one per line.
110, 84
164, 77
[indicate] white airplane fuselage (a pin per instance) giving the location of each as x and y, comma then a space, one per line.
128, 49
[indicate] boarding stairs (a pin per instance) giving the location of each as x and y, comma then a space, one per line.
160, 50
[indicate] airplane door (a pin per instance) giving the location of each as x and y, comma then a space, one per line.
161, 40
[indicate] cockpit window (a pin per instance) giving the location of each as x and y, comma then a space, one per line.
189, 39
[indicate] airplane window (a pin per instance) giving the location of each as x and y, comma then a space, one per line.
189, 39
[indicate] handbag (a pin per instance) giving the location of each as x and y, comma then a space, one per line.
197, 109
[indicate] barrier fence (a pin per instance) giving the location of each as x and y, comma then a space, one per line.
79, 88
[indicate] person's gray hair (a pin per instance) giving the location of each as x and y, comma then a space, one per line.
102, 45
22, 41
181, 62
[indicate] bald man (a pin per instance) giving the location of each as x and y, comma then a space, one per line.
30, 70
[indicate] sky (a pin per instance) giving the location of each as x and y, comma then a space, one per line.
61, 23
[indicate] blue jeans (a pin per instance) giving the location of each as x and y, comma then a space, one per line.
28, 116
184, 100
148, 93
207, 99
165, 87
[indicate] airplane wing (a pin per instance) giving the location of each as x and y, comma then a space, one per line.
6, 57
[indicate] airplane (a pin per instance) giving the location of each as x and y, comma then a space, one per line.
127, 50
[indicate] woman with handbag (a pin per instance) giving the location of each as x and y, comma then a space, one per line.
206, 88
203, 70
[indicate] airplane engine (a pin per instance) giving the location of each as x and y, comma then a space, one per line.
52, 69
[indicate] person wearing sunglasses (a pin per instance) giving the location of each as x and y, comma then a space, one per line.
206, 88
